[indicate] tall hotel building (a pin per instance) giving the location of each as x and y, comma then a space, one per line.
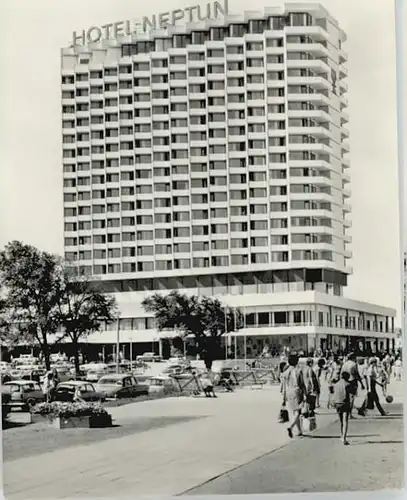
211, 158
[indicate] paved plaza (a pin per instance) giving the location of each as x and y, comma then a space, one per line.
190, 441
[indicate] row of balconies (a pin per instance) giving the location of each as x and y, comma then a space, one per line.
316, 63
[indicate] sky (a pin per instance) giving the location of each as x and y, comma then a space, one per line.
31, 34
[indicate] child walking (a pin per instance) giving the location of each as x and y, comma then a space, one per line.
342, 401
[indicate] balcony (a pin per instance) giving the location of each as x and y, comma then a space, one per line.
320, 196
314, 131
312, 98
345, 163
346, 193
313, 147
315, 32
343, 71
317, 82
343, 56
317, 49
317, 164
317, 65
317, 115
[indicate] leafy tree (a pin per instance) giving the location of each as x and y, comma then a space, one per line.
30, 282
206, 318
82, 310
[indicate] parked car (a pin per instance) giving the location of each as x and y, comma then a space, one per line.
161, 385
149, 357
6, 377
64, 372
5, 403
15, 374
112, 368
67, 391
24, 393
25, 359
94, 375
174, 370
121, 386
36, 375
80, 376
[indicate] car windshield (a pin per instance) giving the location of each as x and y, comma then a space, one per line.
109, 381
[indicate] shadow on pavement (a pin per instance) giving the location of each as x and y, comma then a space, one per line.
311, 436
376, 442
393, 416
12, 425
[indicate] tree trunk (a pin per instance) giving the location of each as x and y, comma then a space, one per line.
208, 362
46, 353
76, 355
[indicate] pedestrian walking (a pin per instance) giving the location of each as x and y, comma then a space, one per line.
397, 369
387, 365
333, 377
342, 401
312, 385
372, 398
55, 376
294, 392
48, 387
281, 367
350, 366
383, 377
318, 370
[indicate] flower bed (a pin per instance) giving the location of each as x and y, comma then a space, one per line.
68, 415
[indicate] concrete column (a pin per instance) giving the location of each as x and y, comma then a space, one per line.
312, 342
160, 347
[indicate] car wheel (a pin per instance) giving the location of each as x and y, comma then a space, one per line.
31, 402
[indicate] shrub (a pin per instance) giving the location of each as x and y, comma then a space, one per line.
66, 410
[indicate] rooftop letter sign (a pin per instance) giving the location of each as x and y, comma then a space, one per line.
212, 10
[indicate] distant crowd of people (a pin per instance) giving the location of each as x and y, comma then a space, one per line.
301, 386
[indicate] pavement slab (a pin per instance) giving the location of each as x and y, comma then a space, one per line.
374, 460
206, 438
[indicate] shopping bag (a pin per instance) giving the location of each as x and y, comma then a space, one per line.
306, 424
312, 424
283, 415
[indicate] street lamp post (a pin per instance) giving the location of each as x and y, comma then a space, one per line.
118, 346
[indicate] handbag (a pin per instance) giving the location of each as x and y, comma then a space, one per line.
283, 415
312, 424
305, 411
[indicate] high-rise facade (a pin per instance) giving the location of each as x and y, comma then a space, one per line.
212, 158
